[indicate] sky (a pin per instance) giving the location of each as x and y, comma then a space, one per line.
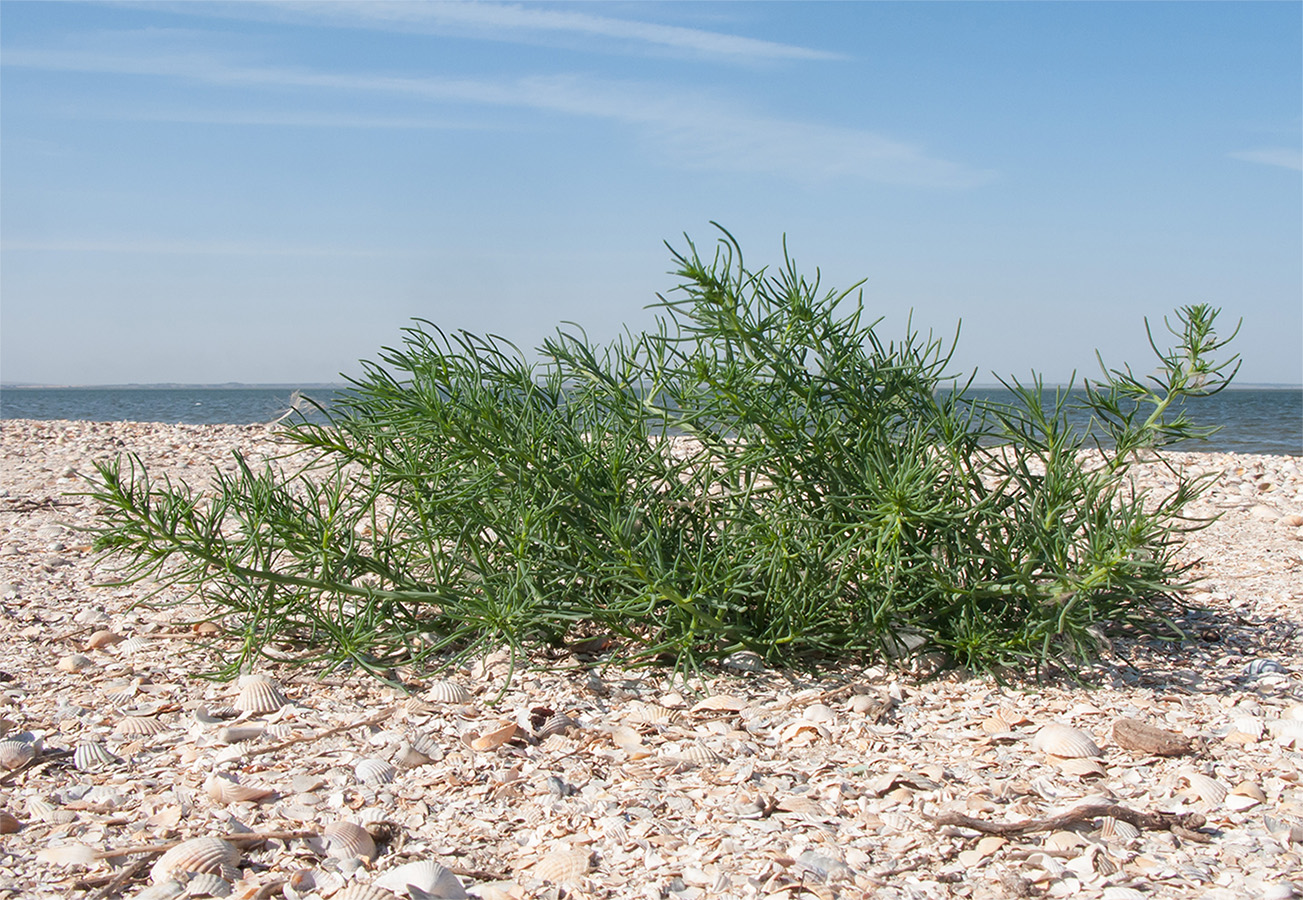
269, 192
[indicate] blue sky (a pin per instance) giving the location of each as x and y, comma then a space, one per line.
267, 192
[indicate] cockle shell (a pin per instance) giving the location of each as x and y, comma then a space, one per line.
91, 756
226, 788
1110, 827
650, 714
197, 855
561, 866
347, 840
426, 876
140, 726
1209, 790
448, 692
1065, 741
556, 724
15, 753
133, 645
694, 753
259, 694
374, 772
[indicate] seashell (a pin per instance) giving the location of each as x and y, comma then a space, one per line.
226, 788
448, 692
363, 892
744, 661
259, 694
1065, 741
695, 753
613, 828
561, 866
139, 726
1064, 840
1249, 789
1115, 828
557, 724
650, 714
9, 823
197, 855
92, 756
208, 884
1251, 726
102, 639
48, 812
492, 740
133, 645
16, 753
238, 734
1294, 713
719, 703
1240, 802
1259, 667
1080, 766
819, 713
347, 840
164, 890
74, 662
374, 772
1124, 893
1209, 790
1287, 732
427, 876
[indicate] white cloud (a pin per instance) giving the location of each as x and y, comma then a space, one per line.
1272, 156
693, 129
515, 22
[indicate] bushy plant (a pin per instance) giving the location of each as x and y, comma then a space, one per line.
758, 472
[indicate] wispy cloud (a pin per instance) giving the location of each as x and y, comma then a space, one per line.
693, 129
1272, 156
517, 22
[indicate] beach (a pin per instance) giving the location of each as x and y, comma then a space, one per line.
583, 781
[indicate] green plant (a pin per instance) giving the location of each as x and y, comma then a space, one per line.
760, 472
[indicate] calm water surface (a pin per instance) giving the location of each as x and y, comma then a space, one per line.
1252, 420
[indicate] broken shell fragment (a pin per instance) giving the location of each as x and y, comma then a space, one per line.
1065, 741
428, 877
259, 694
196, 856
208, 884
226, 788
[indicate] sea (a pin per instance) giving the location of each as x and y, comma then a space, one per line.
1252, 420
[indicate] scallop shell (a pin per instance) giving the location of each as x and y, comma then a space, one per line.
556, 724
133, 645
1124, 893
374, 772
9, 822
347, 840
259, 694
363, 892
92, 756
226, 788
819, 713
140, 726
448, 692
14, 753
197, 855
48, 812
1065, 741
426, 876
1080, 766
208, 884
650, 714
1209, 790
1287, 732
694, 753
561, 866
1251, 726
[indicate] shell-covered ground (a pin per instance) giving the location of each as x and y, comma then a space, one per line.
1176, 775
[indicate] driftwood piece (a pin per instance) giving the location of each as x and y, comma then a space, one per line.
1184, 824
1133, 734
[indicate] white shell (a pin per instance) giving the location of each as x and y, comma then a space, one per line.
427, 876
1287, 732
197, 855
140, 726
448, 692
363, 892
556, 724
91, 756
133, 645
259, 694
561, 866
1124, 893
238, 734
1081, 766
374, 772
1114, 828
15, 754
226, 788
347, 840
694, 753
1209, 790
208, 884
1065, 741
